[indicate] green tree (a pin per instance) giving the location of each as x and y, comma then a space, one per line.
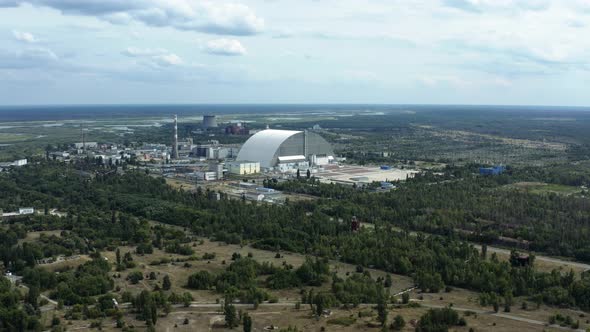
231, 319
388, 282
320, 302
135, 277
406, 298
398, 323
200, 280
166, 284
382, 308
147, 307
247, 323
32, 296
118, 255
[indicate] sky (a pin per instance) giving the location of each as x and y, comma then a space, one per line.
505, 52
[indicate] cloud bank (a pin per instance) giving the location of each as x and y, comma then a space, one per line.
204, 16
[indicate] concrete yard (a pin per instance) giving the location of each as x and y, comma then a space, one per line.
364, 174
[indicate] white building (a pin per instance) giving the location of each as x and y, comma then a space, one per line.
218, 169
88, 145
254, 197
59, 156
206, 176
16, 163
27, 210
243, 167
20, 162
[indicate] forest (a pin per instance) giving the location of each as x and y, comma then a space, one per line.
110, 209
465, 205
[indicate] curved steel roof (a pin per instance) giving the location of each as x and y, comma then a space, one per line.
263, 146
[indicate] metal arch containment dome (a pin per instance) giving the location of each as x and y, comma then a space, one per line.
264, 145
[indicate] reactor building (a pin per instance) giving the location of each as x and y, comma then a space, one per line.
209, 121
286, 149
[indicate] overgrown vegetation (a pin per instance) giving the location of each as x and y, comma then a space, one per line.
112, 209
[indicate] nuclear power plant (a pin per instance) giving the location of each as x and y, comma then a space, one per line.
200, 156
209, 121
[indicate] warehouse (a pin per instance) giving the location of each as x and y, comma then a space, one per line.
286, 149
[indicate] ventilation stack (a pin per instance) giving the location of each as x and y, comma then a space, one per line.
175, 147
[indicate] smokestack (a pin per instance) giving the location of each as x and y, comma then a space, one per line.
305, 143
175, 147
83, 139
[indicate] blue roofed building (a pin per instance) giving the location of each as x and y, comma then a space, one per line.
495, 170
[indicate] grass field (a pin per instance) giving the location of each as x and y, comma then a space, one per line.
7, 138
204, 314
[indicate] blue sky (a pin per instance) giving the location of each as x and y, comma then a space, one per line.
295, 51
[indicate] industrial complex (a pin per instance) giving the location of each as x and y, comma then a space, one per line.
224, 167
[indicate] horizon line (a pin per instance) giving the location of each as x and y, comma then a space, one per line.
288, 104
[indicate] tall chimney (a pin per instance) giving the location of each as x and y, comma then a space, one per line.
83, 139
175, 147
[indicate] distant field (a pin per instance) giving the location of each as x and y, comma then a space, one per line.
12, 138
419, 133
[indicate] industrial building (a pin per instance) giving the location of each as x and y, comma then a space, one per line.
286, 149
206, 176
213, 150
16, 163
86, 145
209, 121
21, 212
237, 129
243, 167
217, 168
495, 170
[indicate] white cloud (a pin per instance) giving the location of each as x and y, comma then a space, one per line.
141, 52
487, 5
204, 16
168, 60
26, 37
157, 56
223, 46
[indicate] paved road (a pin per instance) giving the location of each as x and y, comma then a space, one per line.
408, 290
52, 304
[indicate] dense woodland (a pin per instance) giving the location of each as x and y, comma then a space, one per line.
109, 209
463, 204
